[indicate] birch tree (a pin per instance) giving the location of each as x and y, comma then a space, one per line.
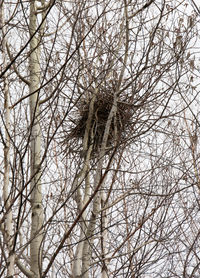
99, 152
7, 227
35, 139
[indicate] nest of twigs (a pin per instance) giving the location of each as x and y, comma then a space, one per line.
119, 127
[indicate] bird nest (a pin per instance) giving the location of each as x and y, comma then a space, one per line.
103, 103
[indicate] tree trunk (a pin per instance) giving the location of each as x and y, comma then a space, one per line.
8, 224
36, 190
104, 236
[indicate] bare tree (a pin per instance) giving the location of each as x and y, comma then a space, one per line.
100, 165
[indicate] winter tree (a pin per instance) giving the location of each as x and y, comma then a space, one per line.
99, 139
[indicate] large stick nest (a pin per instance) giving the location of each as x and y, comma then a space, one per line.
119, 128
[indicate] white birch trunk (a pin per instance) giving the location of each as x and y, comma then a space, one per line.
8, 225
77, 264
104, 237
36, 190
86, 257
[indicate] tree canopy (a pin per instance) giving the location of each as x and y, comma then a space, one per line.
99, 127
